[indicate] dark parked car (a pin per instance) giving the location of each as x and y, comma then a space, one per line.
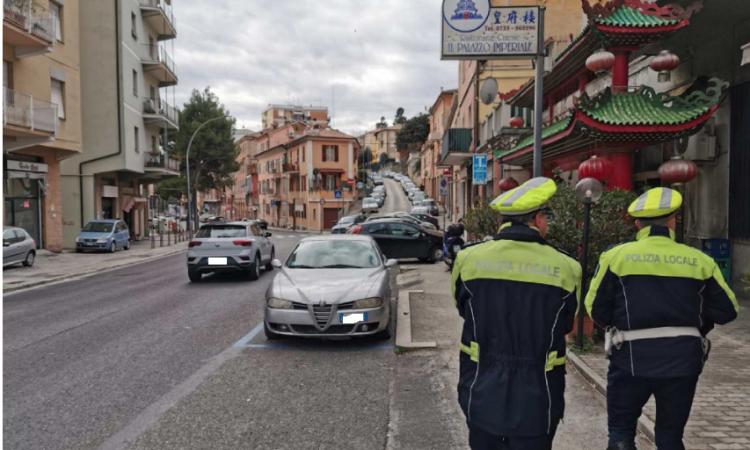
346, 222
422, 213
400, 239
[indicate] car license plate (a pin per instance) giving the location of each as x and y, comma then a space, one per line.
217, 261
348, 318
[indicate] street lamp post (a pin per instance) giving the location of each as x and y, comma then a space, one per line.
588, 191
187, 170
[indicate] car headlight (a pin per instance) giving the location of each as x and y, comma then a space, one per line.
278, 303
78, 239
102, 241
373, 302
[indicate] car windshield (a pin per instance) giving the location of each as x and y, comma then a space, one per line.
221, 231
334, 254
98, 227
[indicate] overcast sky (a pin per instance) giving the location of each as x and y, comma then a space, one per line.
361, 58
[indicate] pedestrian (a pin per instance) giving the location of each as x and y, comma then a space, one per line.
518, 296
657, 300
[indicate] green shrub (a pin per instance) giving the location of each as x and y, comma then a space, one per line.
481, 221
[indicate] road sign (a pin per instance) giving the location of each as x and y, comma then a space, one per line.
479, 169
444, 187
337, 193
360, 185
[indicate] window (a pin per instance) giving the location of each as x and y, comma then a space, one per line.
58, 97
152, 93
330, 182
399, 229
330, 153
7, 76
133, 26
56, 11
136, 136
135, 83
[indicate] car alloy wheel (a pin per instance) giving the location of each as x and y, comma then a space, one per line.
29, 261
254, 271
112, 247
436, 255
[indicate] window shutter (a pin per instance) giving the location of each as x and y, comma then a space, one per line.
336, 153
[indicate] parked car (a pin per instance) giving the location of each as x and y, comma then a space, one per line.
347, 222
418, 196
229, 247
400, 239
18, 247
369, 204
330, 286
379, 197
430, 204
403, 216
422, 213
104, 234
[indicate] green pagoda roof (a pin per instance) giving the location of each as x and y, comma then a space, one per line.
640, 108
548, 131
626, 16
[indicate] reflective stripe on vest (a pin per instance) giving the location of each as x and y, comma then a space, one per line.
472, 350
553, 361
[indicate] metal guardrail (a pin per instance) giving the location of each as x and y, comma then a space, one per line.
163, 6
158, 54
163, 162
23, 110
20, 14
162, 108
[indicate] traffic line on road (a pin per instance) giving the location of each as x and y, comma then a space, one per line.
245, 341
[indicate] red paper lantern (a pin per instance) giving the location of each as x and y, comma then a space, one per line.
516, 122
595, 167
600, 61
663, 63
507, 184
677, 171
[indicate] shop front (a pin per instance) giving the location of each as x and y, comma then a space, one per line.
25, 183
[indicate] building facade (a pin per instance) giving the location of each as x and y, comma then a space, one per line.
278, 115
432, 173
41, 113
126, 70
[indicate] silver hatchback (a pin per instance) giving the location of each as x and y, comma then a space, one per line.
332, 286
18, 247
229, 247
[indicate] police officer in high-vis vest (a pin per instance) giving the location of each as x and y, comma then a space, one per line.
518, 296
657, 300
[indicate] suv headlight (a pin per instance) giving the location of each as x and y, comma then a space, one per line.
374, 302
278, 303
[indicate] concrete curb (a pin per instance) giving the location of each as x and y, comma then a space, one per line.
408, 279
403, 325
645, 425
88, 273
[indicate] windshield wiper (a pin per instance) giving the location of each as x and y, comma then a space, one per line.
341, 266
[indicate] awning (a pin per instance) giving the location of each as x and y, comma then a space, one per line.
331, 170
127, 204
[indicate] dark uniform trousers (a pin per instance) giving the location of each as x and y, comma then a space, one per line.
482, 440
626, 396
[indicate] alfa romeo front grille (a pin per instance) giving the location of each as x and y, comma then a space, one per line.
322, 315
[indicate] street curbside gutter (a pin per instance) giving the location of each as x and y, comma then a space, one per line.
403, 324
645, 425
86, 274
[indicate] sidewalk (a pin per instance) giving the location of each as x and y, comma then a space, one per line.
52, 267
424, 409
720, 417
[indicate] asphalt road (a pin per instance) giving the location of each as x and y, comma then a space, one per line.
396, 200
139, 357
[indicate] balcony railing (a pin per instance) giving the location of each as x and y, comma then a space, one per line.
160, 108
19, 14
162, 162
159, 14
456, 146
158, 60
25, 111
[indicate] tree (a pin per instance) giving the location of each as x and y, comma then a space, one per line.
383, 159
414, 133
382, 123
172, 188
399, 119
213, 153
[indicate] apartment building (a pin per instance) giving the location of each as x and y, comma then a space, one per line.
386, 138
432, 174
126, 70
41, 112
243, 196
279, 115
307, 182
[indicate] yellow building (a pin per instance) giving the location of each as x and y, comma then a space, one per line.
42, 112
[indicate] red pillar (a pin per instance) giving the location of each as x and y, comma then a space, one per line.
622, 171
620, 71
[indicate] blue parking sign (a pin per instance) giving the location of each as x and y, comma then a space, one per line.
479, 169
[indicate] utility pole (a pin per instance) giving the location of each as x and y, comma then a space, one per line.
187, 170
538, 96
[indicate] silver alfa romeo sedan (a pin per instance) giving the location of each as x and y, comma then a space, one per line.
332, 286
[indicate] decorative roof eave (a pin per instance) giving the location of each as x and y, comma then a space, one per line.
585, 131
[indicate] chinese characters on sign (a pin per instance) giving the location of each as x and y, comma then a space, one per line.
474, 30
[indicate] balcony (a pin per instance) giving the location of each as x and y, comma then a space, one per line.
291, 168
157, 14
160, 113
161, 165
26, 33
157, 62
456, 146
27, 120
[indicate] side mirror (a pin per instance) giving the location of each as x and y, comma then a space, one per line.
391, 262
276, 263
267, 234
